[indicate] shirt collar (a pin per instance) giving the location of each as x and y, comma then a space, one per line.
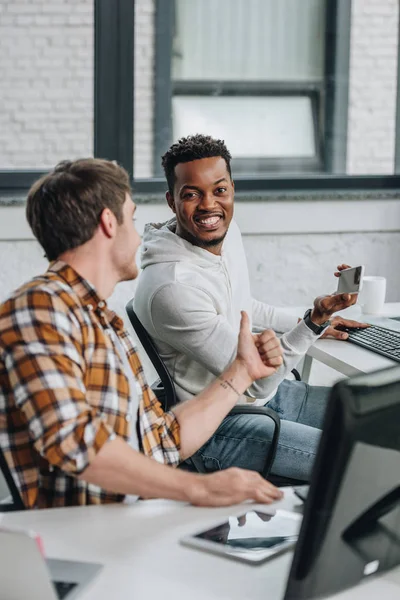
86, 292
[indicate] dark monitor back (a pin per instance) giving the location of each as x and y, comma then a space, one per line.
351, 525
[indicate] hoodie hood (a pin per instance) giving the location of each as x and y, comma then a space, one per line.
162, 245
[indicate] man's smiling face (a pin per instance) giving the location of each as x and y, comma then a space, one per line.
203, 202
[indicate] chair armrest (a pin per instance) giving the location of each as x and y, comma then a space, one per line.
296, 374
248, 409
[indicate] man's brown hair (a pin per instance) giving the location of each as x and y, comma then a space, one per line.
64, 207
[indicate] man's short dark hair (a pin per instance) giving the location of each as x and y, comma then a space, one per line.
193, 147
64, 206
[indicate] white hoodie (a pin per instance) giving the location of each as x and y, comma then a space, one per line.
189, 300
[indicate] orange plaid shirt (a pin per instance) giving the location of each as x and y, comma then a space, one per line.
63, 391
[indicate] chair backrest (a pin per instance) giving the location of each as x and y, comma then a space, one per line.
10, 498
167, 393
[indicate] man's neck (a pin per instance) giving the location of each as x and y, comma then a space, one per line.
94, 269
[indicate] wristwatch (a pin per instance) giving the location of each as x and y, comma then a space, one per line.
317, 329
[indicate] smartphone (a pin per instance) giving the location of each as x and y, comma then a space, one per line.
350, 280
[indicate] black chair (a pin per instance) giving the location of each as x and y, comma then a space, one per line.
14, 500
164, 389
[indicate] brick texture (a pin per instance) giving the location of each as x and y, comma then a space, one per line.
373, 87
46, 80
144, 96
46, 75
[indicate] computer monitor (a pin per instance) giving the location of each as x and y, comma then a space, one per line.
351, 524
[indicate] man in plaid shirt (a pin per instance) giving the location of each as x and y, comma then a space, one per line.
78, 422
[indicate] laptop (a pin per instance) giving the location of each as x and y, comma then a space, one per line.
25, 573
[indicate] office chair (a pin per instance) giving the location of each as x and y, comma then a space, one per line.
164, 389
14, 500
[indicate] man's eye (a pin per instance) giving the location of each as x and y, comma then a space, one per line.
221, 190
189, 195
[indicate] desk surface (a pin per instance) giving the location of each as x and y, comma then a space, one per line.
139, 548
350, 359
347, 358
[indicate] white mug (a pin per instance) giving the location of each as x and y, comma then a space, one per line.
373, 294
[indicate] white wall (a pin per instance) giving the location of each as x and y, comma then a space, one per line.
292, 247
373, 86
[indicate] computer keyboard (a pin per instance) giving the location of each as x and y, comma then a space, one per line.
63, 588
377, 339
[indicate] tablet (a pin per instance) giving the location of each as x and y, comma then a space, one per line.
253, 537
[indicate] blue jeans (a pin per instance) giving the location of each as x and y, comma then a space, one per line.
244, 440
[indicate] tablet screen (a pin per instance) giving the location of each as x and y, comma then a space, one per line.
252, 536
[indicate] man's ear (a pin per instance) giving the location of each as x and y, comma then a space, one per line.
170, 200
108, 223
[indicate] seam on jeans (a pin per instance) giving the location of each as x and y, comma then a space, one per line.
303, 401
242, 439
296, 450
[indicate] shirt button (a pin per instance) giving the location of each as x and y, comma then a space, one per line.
102, 304
51, 468
89, 306
128, 417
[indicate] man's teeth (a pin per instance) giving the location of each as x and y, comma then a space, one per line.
209, 220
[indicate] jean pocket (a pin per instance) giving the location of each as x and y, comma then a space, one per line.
211, 464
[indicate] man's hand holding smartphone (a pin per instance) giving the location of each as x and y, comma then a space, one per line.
325, 306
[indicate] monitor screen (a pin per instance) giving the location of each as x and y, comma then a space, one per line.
351, 525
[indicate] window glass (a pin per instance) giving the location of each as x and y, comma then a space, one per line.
264, 127
241, 40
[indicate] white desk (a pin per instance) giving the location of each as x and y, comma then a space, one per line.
347, 358
138, 546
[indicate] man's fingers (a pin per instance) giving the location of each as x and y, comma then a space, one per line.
330, 304
272, 362
341, 268
270, 349
336, 333
267, 336
350, 323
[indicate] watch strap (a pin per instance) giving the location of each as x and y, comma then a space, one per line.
317, 329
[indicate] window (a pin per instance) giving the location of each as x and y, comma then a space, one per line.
303, 91
253, 74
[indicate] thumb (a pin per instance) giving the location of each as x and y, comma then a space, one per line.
339, 335
244, 323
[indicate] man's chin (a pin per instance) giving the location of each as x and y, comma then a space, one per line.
129, 274
210, 243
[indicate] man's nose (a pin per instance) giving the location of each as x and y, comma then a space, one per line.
207, 201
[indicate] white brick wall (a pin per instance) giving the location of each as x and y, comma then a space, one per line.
46, 75
144, 96
373, 87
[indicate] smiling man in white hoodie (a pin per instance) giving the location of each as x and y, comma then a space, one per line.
190, 293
